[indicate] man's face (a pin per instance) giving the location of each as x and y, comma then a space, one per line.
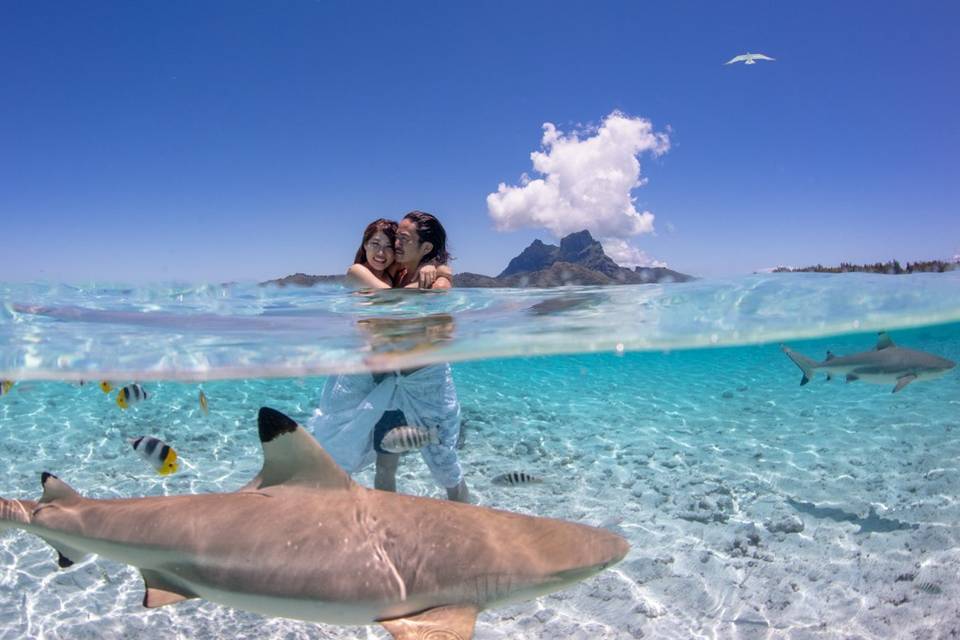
409, 249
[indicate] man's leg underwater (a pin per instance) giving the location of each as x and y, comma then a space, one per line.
459, 493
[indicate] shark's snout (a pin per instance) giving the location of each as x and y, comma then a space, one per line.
605, 549
615, 549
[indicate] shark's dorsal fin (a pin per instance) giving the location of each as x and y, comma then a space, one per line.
454, 622
161, 591
292, 457
830, 356
884, 341
55, 489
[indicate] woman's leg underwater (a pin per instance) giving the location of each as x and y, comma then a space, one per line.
386, 475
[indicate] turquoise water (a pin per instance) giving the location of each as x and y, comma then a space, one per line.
666, 413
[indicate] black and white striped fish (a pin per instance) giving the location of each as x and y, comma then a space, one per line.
158, 453
204, 406
516, 478
130, 395
5, 386
407, 438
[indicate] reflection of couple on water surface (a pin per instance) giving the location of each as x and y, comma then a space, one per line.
357, 411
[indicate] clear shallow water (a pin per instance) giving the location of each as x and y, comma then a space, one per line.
693, 455
236, 331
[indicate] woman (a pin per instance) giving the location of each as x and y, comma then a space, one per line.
356, 412
374, 266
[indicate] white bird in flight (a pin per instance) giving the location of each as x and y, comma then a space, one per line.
749, 58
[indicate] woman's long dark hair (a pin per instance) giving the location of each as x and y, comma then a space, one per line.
430, 230
389, 229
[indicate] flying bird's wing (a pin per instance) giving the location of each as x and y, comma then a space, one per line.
760, 56
739, 58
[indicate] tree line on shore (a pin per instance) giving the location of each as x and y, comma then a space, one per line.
891, 267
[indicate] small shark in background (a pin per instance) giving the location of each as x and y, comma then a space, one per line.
887, 364
302, 540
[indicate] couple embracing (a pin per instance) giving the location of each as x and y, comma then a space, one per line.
357, 411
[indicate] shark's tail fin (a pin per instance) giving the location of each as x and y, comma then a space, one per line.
806, 364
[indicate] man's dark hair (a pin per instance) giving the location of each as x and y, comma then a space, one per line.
430, 230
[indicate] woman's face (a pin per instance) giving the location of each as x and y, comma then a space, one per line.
379, 251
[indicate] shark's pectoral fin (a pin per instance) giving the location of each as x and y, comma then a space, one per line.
454, 622
67, 556
829, 377
903, 381
852, 377
161, 591
292, 456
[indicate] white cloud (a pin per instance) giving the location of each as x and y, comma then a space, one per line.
627, 255
588, 176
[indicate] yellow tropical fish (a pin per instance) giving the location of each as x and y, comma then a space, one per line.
158, 453
5, 386
203, 403
130, 395
106, 386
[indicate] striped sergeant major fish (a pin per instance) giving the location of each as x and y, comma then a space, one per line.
404, 439
106, 386
516, 478
5, 386
158, 453
130, 395
203, 403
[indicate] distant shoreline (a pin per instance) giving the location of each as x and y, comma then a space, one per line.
893, 267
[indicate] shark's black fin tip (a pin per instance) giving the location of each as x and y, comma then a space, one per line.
46, 475
272, 423
63, 561
804, 380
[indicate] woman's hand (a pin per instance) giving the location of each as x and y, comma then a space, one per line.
427, 275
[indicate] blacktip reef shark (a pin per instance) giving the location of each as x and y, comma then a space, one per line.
887, 364
303, 541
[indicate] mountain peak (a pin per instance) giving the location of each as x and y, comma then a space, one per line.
577, 242
579, 254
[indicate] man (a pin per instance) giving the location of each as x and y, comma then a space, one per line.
421, 241
356, 412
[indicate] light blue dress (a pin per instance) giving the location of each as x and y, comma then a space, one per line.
351, 406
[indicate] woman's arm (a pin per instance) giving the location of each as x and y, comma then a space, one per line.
360, 276
444, 279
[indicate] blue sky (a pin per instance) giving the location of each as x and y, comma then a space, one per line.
242, 140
